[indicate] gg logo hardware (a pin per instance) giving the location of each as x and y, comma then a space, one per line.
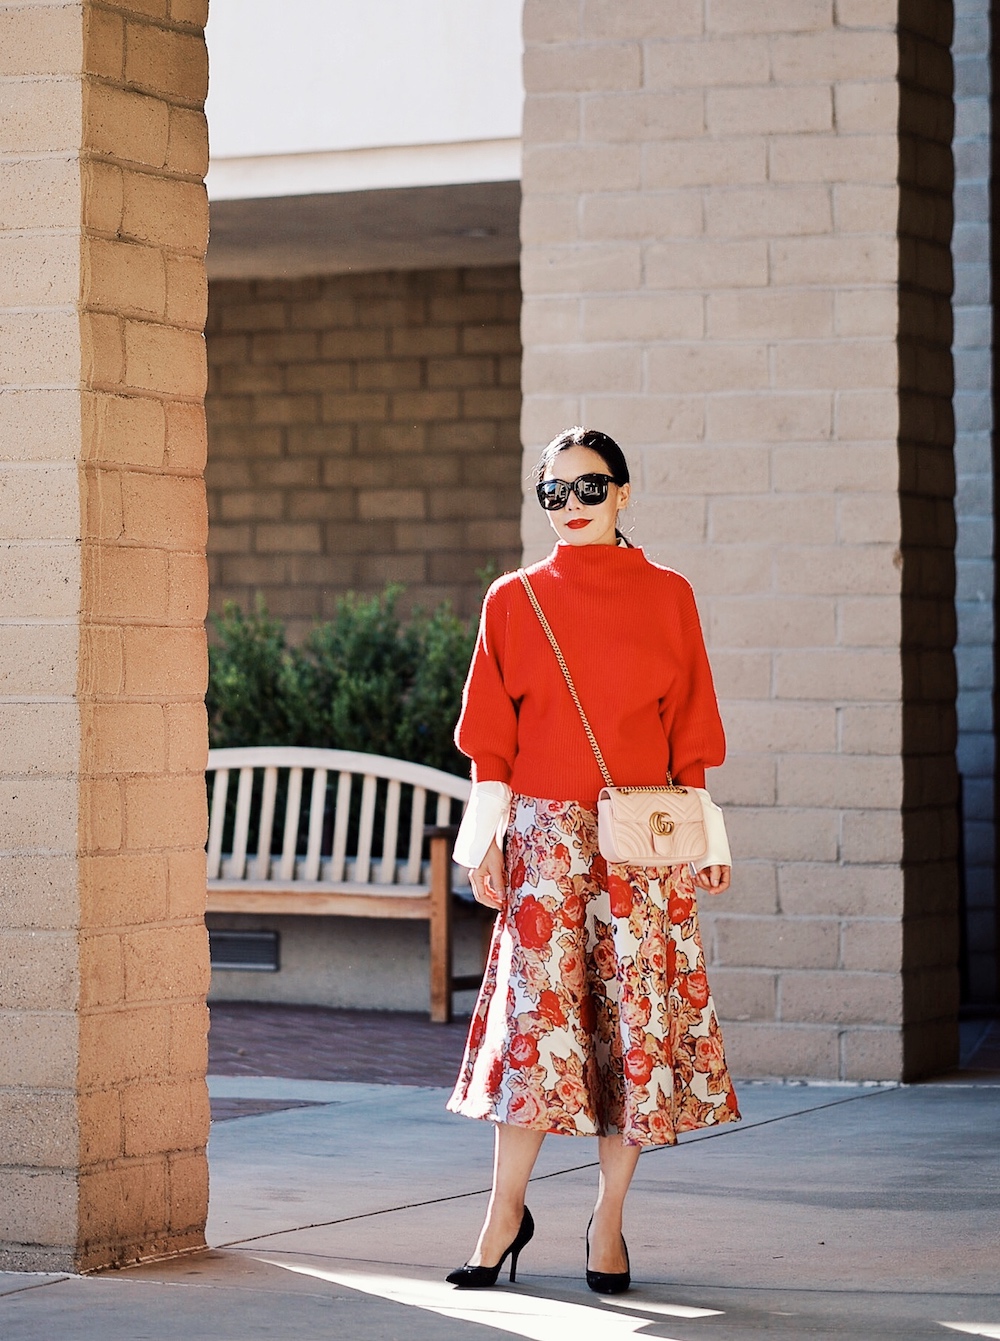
661, 824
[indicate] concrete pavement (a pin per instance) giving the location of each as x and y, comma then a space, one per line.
830, 1212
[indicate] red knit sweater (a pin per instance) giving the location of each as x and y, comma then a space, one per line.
630, 634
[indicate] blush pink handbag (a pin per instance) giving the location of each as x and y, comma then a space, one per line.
638, 826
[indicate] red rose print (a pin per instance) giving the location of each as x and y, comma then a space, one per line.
661, 1128
572, 974
572, 1093
621, 896
708, 1054
517, 874
478, 1030
638, 1065
679, 907
635, 1013
550, 1006
694, 988
671, 961
605, 959
525, 1110
523, 1051
496, 1076
599, 870
653, 952
534, 924
572, 912
555, 863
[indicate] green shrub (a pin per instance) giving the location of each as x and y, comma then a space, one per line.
249, 675
352, 676
364, 681
443, 649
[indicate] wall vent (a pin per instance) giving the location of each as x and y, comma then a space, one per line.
253, 950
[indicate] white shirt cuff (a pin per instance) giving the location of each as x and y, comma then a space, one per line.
717, 853
486, 817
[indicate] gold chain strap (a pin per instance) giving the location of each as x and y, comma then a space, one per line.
605, 774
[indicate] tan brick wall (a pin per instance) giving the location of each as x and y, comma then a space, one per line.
363, 429
712, 273
103, 1105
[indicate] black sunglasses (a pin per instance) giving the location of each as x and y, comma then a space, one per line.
589, 489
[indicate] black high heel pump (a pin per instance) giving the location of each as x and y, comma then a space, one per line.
608, 1282
480, 1277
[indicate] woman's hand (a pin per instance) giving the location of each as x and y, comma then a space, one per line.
488, 879
714, 879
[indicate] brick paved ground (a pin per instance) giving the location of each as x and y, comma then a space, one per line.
315, 1043
387, 1048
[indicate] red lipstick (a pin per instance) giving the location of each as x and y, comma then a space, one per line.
577, 522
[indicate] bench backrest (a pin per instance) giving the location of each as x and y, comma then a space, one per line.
329, 839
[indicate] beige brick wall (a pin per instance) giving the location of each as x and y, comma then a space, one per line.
363, 429
712, 273
103, 224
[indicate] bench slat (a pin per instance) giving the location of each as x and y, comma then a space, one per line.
293, 808
412, 873
220, 789
315, 901
317, 805
281, 756
443, 810
390, 835
241, 832
363, 865
341, 818
373, 893
260, 867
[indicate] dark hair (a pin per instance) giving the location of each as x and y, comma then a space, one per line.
595, 441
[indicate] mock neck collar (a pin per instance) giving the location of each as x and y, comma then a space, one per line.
594, 558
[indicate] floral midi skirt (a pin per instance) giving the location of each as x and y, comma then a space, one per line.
595, 1015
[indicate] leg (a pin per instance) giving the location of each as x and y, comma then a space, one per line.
514, 1155
618, 1161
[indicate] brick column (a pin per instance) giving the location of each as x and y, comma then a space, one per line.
736, 224
103, 1106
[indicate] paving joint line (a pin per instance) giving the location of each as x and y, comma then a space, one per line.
36, 1285
726, 1130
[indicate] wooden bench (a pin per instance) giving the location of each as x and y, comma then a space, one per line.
332, 858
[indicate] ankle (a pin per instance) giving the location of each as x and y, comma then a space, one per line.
499, 1229
505, 1212
607, 1218
606, 1250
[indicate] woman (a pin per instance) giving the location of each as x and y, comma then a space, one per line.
594, 1016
